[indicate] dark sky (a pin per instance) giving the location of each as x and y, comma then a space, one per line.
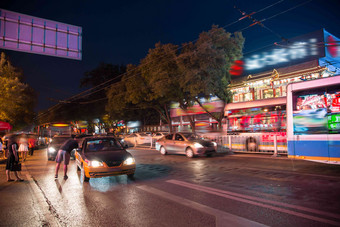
121, 32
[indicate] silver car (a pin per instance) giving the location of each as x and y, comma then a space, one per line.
189, 144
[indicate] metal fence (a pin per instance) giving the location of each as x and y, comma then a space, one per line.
253, 144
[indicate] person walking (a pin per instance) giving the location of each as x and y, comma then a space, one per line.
64, 154
23, 147
12, 159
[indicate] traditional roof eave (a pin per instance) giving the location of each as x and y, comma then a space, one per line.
286, 72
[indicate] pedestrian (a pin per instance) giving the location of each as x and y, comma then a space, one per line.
1, 142
64, 154
23, 146
31, 145
12, 160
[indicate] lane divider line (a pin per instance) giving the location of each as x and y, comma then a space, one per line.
251, 200
222, 218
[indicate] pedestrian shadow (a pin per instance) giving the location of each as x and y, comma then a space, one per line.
59, 186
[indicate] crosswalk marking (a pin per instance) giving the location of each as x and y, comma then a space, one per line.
222, 218
260, 202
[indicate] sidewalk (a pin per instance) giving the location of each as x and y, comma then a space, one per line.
22, 203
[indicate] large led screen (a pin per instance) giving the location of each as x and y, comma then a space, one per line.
317, 111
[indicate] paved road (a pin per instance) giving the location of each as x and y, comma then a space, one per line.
172, 190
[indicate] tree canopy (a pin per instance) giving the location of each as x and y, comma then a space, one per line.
168, 74
17, 99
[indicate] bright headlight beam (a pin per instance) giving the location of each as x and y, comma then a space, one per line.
96, 163
129, 161
198, 145
51, 149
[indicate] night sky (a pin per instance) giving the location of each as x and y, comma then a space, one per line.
121, 32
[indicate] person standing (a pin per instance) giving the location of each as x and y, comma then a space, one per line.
64, 154
31, 145
23, 147
12, 159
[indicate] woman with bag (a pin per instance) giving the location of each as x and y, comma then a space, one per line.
12, 163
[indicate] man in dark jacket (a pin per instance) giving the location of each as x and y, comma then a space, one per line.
64, 154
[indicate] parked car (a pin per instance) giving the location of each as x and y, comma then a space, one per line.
137, 138
157, 135
55, 144
102, 156
189, 144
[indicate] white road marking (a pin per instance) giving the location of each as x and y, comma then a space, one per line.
251, 200
222, 218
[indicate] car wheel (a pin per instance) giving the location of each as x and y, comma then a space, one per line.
131, 176
163, 151
189, 153
83, 176
78, 168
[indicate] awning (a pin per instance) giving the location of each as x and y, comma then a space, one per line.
5, 126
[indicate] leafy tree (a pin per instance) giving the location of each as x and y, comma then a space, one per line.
17, 99
127, 99
205, 66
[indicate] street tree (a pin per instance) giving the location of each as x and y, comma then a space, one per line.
17, 99
127, 100
205, 64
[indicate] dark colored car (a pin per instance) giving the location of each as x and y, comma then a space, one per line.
101, 156
189, 144
55, 144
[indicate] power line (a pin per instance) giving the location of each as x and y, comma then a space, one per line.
177, 49
77, 96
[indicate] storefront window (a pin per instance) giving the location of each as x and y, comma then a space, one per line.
284, 92
248, 97
268, 93
278, 92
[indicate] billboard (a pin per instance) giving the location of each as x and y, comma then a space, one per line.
25, 33
332, 50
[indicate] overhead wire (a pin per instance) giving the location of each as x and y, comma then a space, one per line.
86, 93
160, 57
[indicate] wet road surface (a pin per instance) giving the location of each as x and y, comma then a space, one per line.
172, 190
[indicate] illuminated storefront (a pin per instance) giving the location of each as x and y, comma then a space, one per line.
266, 76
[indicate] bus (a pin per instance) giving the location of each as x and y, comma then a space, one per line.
313, 120
46, 131
253, 126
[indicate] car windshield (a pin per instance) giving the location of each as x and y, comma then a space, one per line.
106, 144
191, 136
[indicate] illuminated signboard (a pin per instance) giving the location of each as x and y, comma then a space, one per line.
332, 53
292, 52
296, 50
25, 33
212, 105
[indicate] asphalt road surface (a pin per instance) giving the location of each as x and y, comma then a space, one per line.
173, 190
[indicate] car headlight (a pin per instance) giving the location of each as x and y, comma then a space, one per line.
129, 161
122, 140
215, 144
95, 163
51, 149
198, 145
